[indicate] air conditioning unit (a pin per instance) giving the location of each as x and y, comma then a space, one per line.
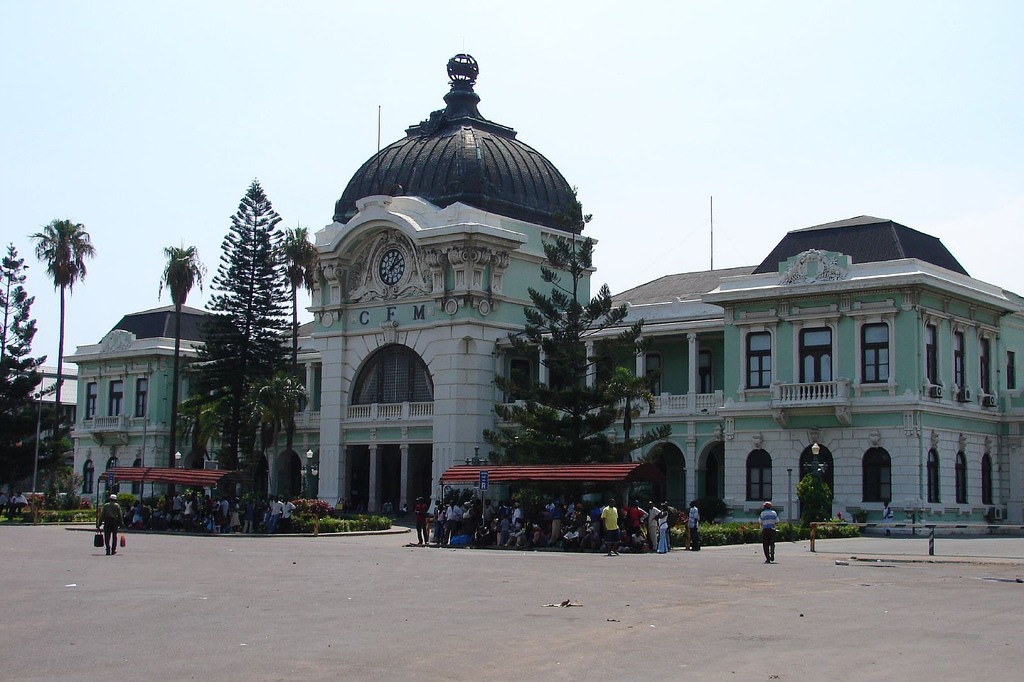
935, 391
964, 395
988, 400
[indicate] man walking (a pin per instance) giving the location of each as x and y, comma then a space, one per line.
110, 518
768, 518
610, 524
693, 523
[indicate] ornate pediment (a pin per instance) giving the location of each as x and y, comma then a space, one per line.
813, 266
389, 267
117, 339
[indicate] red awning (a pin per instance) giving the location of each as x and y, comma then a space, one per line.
200, 478
633, 472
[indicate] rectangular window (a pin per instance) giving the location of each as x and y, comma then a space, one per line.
141, 393
652, 370
759, 360
1011, 370
116, 398
984, 365
931, 354
958, 361
815, 355
875, 353
519, 368
705, 372
90, 400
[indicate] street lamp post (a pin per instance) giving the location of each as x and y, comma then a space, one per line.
789, 494
307, 471
177, 459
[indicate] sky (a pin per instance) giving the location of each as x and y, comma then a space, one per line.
146, 122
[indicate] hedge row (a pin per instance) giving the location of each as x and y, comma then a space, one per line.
750, 533
345, 524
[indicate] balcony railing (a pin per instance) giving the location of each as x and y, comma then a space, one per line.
390, 411
117, 423
697, 403
812, 394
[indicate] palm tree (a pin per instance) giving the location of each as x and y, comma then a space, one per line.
183, 271
63, 246
628, 388
300, 259
272, 404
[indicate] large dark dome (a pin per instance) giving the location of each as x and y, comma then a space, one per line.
458, 155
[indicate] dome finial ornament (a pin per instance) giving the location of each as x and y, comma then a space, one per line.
462, 71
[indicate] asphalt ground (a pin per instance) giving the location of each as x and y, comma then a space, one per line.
174, 607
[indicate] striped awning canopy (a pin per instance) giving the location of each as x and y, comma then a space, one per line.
199, 478
632, 472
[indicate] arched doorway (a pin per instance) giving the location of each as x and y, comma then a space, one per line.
711, 476
670, 459
825, 466
289, 474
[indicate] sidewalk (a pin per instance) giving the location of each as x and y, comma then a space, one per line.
955, 548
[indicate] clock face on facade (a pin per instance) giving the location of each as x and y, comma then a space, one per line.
392, 267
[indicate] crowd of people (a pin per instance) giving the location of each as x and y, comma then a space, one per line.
569, 525
194, 512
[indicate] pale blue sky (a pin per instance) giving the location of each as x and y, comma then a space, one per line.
146, 121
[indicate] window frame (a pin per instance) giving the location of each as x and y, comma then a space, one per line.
88, 477
878, 349
763, 356
759, 467
1011, 370
115, 397
960, 468
821, 354
653, 366
705, 372
876, 471
959, 357
985, 365
933, 477
986, 479
931, 354
91, 397
141, 396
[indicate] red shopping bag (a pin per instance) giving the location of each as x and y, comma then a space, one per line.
122, 541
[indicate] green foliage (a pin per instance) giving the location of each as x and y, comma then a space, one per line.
244, 338
310, 507
354, 523
63, 246
712, 508
566, 420
815, 499
62, 489
19, 372
713, 534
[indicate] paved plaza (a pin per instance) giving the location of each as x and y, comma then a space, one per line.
173, 607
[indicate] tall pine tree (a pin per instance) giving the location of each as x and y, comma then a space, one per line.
246, 335
566, 420
19, 372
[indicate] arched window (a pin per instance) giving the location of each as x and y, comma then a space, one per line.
759, 475
877, 470
88, 474
933, 476
986, 479
111, 463
961, 478
393, 374
713, 467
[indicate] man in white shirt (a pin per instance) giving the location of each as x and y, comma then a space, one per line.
768, 519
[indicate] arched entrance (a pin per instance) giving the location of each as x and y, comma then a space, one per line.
711, 472
670, 459
289, 474
261, 476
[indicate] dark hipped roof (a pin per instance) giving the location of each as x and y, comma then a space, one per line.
633, 472
457, 155
159, 322
867, 240
684, 286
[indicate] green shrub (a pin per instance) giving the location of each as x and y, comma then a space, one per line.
717, 534
347, 523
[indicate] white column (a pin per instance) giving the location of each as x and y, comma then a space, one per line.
404, 476
373, 494
542, 369
691, 339
641, 365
